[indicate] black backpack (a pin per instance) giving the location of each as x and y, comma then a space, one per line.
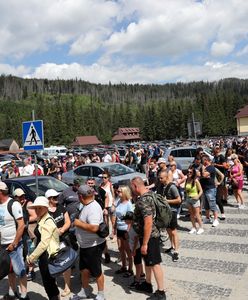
24, 211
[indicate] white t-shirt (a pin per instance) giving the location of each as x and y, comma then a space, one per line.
7, 223
28, 170
91, 214
107, 158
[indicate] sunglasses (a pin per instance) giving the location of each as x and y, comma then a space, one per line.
190, 172
172, 165
119, 192
105, 177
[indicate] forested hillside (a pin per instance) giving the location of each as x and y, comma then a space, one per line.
75, 107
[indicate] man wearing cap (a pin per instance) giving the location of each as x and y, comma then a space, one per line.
69, 197
91, 245
11, 231
29, 217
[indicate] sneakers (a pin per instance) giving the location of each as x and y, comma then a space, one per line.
208, 221
215, 223
169, 250
222, 217
31, 276
175, 256
158, 295
242, 206
200, 231
192, 231
144, 287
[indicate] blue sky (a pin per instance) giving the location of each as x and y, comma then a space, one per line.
132, 41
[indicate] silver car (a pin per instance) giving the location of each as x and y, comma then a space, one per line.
185, 155
120, 173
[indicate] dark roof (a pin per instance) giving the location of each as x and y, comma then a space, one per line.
128, 130
122, 137
6, 143
243, 112
86, 140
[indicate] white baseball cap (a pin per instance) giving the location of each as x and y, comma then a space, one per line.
3, 186
18, 192
40, 201
51, 193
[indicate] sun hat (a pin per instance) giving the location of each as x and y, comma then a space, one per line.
51, 193
40, 201
18, 192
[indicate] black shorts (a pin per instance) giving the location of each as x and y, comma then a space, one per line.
137, 259
91, 259
153, 256
173, 222
121, 234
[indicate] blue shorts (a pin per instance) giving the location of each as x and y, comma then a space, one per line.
210, 199
17, 261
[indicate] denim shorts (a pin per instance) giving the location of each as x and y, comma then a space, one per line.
17, 261
192, 202
210, 199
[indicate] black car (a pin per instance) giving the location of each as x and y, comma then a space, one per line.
27, 184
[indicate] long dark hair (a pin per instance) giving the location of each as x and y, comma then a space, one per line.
193, 177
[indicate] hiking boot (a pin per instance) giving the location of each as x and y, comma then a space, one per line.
158, 295
144, 287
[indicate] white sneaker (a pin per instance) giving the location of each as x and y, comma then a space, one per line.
192, 231
215, 223
200, 231
178, 216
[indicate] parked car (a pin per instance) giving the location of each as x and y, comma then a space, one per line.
120, 173
184, 155
28, 185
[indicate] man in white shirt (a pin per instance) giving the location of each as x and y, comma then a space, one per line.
107, 158
91, 244
11, 230
28, 168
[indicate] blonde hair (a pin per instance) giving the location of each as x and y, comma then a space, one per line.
126, 192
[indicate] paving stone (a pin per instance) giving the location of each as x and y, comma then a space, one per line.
236, 221
204, 291
228, 232
209, 265
215, 246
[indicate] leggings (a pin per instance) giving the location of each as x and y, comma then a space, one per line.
49, 282
219, 201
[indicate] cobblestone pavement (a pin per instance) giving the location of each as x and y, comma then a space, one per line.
211, 266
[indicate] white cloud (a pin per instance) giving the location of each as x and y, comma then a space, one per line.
221, 48
98, 73
7, 69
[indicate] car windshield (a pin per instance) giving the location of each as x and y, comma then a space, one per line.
118, 169
46, 183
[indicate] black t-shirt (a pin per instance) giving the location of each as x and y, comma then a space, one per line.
59, 215
208, 183
220, 159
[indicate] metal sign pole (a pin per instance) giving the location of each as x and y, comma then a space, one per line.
35, 164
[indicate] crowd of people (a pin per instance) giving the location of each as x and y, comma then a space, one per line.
34, 232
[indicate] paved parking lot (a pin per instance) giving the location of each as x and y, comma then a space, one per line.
211, 266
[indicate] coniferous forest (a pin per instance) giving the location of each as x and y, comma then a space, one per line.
74, 107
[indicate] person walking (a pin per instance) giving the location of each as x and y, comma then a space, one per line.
11, 231
47, 245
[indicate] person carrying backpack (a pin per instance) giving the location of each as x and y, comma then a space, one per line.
11, 231
169, 190
145, 226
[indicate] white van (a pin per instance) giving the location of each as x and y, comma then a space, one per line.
54, 151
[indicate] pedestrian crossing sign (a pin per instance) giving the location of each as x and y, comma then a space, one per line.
32, 133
